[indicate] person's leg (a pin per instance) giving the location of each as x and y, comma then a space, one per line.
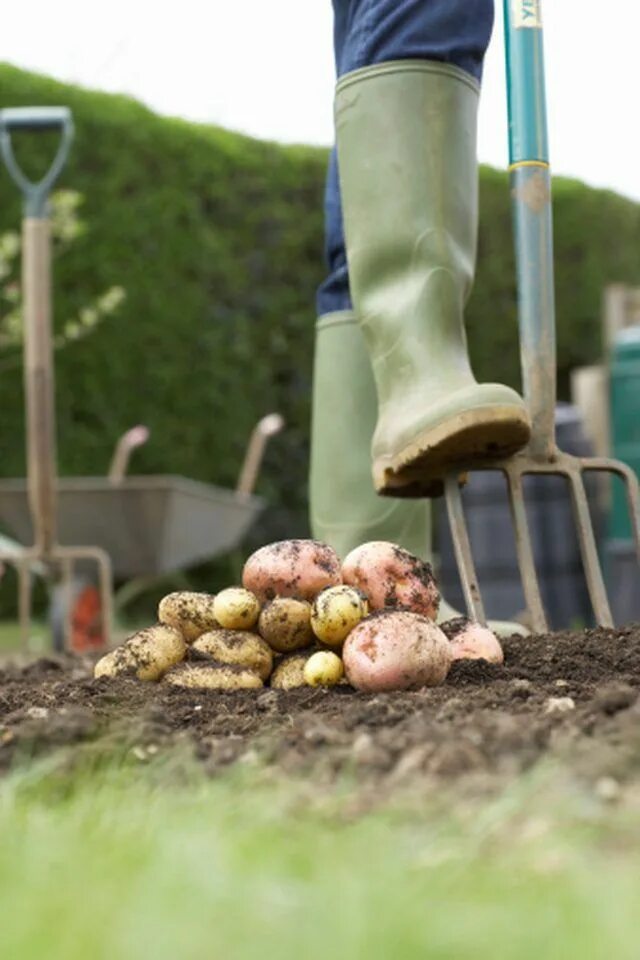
345, 510
448, 31
406, 116
333, 294
366, 32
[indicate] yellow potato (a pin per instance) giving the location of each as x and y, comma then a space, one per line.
285, 624
191, 613
236, 608
147, 654
336, 611
323, 669
212, 676
238, 648
289, 673
116, 663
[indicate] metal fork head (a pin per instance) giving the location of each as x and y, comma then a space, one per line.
515, 469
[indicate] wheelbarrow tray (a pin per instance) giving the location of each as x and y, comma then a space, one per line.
148, 525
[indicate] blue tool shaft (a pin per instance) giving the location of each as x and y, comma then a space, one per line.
532, 216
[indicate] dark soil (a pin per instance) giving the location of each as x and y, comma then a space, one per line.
570, 696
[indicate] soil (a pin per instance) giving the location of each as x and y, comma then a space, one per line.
569, 696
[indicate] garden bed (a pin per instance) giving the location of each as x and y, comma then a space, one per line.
570, 696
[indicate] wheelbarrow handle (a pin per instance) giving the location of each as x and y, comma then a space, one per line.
35, 119
532, 216
267, 427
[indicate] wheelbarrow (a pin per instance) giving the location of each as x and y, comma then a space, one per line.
149, 526
136, 526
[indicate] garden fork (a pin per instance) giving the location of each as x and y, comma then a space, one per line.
530, 182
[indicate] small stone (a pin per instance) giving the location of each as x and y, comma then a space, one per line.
521, 688
37, 713
139, 753
563, 684
559, 705
197, 707
361, 745
267, 700
366, 753
607, 789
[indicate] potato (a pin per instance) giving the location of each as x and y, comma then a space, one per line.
285, 624
336, 611
236, 608
323, 669
289, 673
116, 663
237, 648
393, 578
291, 568
471, 641
212, 676
396, 650
191, 613
147, 654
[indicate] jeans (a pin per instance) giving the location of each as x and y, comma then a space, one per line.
374, 31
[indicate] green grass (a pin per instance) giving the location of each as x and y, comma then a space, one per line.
10, 637
133, 861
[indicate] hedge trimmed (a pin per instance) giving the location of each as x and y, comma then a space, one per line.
217, 240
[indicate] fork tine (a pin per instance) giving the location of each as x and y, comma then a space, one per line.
524, 550
588, 550
462, 547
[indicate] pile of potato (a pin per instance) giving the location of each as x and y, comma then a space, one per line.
301, 617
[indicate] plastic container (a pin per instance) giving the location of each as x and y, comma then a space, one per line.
624, 392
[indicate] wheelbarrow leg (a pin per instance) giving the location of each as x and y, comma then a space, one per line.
24, 603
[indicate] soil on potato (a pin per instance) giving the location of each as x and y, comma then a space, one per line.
572, 696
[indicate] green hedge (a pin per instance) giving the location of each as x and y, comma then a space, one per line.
217, 239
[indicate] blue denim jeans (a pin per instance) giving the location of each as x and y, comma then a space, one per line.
375, 31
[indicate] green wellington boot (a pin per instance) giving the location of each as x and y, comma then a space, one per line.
345, 510
406, 137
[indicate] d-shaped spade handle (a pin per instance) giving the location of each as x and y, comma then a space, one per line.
36, 119
36, 289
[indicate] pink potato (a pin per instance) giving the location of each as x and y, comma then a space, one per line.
471, 641
291, 568
392, 578
396, 650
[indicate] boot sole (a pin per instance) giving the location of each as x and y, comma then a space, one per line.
487, 433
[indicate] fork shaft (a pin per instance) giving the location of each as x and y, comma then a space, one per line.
531, 203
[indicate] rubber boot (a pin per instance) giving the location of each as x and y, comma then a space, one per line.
345, 510
406, 138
